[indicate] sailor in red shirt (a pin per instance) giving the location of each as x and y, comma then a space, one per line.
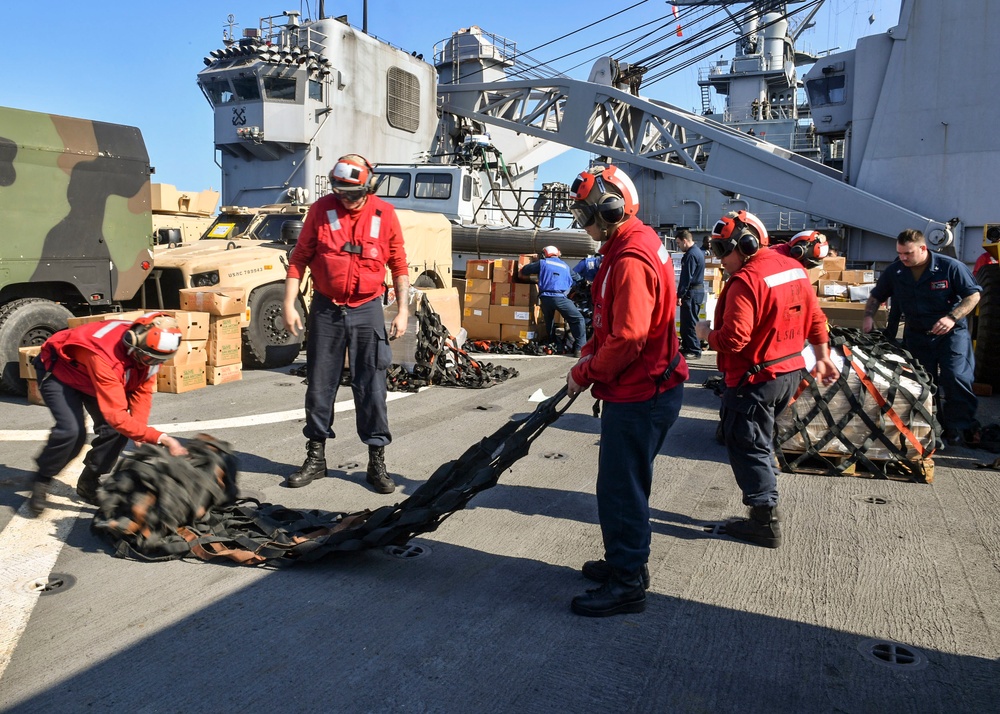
766, 313
633, 363
347, 240
107, 368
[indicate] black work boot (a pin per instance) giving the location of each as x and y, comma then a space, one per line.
313, 467
621, 593
600, 572
37, 502
377, 476
86, 485
761, 527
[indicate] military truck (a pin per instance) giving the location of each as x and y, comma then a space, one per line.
181, 216
77, 228
249, 248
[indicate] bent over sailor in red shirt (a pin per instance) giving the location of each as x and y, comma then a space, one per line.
107, 368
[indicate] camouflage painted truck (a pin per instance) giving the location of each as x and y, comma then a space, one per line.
249, 248
77, 229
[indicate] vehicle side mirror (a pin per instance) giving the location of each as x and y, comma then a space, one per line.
168, 236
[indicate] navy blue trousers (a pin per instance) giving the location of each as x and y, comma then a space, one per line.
690, 313
358, 332
572, 314
70, 432
631, 436
950, 360
748, 414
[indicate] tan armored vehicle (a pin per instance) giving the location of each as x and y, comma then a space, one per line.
249, 248
181, 216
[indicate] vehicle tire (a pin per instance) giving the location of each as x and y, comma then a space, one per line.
988, 327
27, 322
428, 281
266, 342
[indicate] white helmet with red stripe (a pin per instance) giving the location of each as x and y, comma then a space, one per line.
606, 195
352, 177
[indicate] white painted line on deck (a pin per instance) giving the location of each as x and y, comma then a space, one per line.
206, 425
29, 547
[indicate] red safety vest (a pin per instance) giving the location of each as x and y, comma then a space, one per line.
351, 251
642, 379
785, 300
102, 338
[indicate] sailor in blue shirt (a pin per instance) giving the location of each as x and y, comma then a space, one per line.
554, 281
690, 293
935, 293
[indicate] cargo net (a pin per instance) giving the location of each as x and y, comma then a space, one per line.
159, 507
879, 415
437, 360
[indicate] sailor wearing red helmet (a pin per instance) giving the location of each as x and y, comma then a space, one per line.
765, 314
108, 369
632, 363
347, 240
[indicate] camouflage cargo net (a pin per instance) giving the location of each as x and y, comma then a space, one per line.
159, 507
878, 415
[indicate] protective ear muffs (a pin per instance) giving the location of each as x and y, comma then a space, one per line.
747, 243
611, 208
370, 184
130, 339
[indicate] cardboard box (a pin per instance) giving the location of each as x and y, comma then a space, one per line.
221, 375
477, 300
445, 303
474, 314
500, 315
504, 270
831, 288
129, 316
24, 367
191, 352
502, 294
833, 274
34, 396
223, 352
850, 314
478, 286
858, 277
177, 380
224, 328
523, 260
816, 274
516, 333
834, 264
478, 330
479, 270
459, 285
215, 301
193, 325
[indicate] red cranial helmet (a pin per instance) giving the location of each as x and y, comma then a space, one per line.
153, 338
809, 248
738, 230
605, 194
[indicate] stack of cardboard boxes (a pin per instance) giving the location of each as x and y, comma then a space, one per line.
496, 305
221, 362
186, 371
843, 292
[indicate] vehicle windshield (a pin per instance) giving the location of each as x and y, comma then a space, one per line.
227, 227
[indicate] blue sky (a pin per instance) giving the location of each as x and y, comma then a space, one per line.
136, 62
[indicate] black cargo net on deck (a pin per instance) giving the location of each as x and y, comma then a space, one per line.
439, 361
159, 507
855, 432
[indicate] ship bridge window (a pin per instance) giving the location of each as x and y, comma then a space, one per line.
316, 90
827, 90
403, 100
436, 186
218, 91
392, 185
246, 88
280, 88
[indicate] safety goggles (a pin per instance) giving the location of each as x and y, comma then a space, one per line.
349, 193
149, 359
584, 213
720, 248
